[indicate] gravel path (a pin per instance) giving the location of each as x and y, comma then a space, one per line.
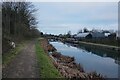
24, 65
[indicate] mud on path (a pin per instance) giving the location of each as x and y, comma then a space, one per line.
24, 65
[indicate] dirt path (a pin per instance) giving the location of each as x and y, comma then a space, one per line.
24, 65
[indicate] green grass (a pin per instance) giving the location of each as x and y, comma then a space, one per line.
9, 56
112, 42
47, 69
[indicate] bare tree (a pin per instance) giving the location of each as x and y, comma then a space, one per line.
18, 21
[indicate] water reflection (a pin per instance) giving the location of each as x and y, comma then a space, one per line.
100, 51
92, 58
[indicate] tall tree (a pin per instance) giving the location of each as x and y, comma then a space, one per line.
18, 19
68, 34
85, 30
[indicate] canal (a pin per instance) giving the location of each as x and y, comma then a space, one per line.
91, 59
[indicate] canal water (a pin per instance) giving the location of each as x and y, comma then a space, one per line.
91, 59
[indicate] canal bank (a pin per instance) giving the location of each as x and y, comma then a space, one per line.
104, 46
66, 65
115, 48
46, 67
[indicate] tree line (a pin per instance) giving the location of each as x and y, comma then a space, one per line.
18, 21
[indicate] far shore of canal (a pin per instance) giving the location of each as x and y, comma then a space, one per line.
101, 45
110, 47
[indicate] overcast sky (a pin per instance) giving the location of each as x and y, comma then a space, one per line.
60, 17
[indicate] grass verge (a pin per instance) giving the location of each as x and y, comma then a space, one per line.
47, 69
8, 57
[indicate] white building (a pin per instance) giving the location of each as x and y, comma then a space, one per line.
90, 34
107, 34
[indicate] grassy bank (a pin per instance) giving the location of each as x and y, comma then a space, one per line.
111, 42
47, 69
9, 56
99, 50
